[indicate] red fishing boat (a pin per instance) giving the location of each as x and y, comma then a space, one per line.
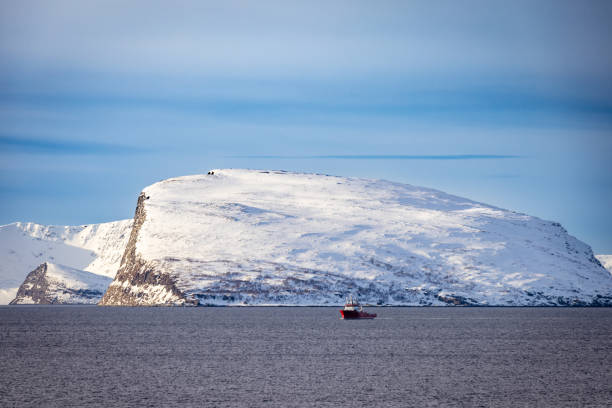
353, 310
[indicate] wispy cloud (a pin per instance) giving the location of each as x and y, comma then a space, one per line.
11, 144
391, 157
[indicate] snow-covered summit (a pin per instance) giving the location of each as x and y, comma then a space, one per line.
273, 237
95, 248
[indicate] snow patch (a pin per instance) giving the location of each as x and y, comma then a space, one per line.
606, 261
8, 294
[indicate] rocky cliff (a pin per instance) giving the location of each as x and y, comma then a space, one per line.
57, 284
137, 281
278, 238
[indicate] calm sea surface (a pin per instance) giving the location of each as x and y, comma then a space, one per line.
59, 356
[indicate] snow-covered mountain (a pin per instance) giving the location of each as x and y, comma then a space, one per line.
606, 261
272, 237
52, 284
95, 248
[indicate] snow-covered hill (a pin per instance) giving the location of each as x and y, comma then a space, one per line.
272, 237
51, 284
94, 248
606, 261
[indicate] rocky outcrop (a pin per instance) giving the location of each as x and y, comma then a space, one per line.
34, 289
52, 284
139, 282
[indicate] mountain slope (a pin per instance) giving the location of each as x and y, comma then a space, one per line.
59, 284
95, 248
259, 237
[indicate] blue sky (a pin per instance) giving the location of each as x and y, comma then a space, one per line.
509, 103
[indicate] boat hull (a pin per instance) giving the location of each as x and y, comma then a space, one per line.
354, 314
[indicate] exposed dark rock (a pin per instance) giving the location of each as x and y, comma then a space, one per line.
135, 272
457, 300
34, 287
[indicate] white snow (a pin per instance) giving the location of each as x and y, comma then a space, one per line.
95, 248
606, 261
74, 278
7, 294
261, 229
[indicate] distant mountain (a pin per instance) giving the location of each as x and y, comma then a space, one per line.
278, 238
58, 284
606, 261
95, 248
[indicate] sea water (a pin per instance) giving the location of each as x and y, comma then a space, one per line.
60, 356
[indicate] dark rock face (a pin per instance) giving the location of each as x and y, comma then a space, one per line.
135, 273
35, 287
457, 300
